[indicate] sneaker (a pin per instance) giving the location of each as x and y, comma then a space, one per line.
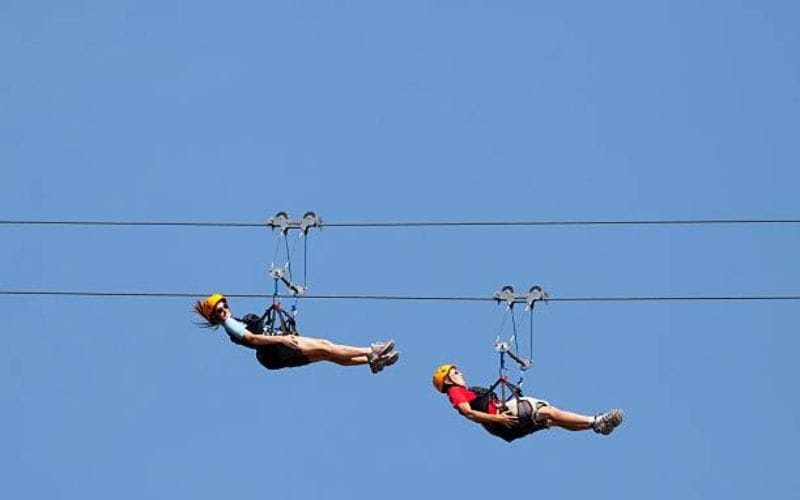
390, 358
380, 349
382, 362
605, 422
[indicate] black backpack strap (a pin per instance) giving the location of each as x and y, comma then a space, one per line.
484, 398
254, 322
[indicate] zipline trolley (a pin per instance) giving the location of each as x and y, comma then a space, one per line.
276, 320
508, 296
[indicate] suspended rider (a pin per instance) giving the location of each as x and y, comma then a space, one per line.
518, 416
285, 349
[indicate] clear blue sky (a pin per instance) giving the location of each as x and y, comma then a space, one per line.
423, 110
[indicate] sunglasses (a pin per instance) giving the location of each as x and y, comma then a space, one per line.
221, 308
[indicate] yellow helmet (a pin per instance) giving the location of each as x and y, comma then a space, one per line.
206, 307
440, 374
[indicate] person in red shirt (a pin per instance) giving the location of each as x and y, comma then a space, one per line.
516, 417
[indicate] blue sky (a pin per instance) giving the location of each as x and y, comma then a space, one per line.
419, 110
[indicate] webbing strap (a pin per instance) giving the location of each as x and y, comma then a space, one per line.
530, 340
514, 328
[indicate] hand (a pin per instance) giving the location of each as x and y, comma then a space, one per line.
291, 341
506, 419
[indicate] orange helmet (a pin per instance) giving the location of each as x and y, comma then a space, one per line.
206, 307
440, 374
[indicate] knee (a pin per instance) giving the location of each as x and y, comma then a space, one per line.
545, 415
548, 411
318, 346
316, 342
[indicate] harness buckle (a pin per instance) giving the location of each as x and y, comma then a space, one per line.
280, 274
502, 346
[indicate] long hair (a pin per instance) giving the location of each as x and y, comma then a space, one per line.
207, 322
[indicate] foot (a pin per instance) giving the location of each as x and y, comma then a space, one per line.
605, 422
380, 349
383, 361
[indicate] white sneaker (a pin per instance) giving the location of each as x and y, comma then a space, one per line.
605, 422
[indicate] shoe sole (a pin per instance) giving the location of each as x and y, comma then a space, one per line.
384, 361
391, 359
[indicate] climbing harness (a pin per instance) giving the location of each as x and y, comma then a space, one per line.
276, 320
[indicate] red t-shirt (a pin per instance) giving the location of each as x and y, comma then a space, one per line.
458, 395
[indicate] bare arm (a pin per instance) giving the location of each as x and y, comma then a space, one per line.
485, 418
257, 341
236, 329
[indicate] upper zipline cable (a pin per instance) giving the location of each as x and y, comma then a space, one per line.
378, 224
455, 298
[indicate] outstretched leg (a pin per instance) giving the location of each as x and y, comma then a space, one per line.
324, 350
601, 424
565, 419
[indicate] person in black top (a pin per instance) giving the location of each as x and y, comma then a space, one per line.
284, 351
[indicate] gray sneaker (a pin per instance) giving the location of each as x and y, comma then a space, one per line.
390, 358
382, 362
605, 422
380, 349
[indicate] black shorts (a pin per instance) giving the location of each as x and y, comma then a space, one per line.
275, 357
527, 423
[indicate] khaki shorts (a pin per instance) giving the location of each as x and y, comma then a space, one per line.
511, 405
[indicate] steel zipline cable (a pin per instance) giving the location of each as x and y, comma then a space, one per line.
454, 298
378, 224
266, 224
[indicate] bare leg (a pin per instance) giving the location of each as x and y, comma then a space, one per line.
565, 419
358, 360
328, 346
324, 350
